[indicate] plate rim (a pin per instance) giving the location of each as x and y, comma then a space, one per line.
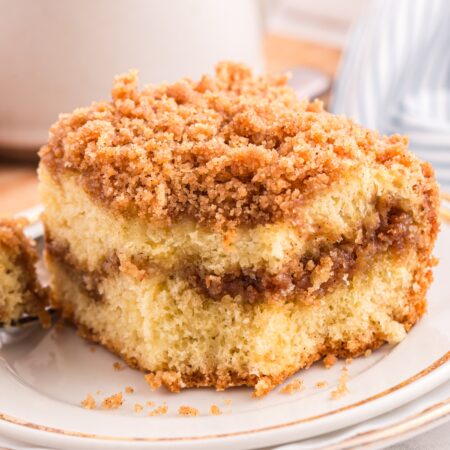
7, 420
402, 429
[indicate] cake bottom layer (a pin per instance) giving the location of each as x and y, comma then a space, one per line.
162, 326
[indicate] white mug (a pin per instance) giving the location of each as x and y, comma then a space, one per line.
59, 54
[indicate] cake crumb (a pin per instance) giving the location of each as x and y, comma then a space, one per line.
321, 384
89, 402
341, 389
329, 361
293, 386
187, 411
367, 353
92, 349
153, 380
129, 390
215, 410
150, 403
113, 401
118, 366
348, 360
98, 392
159, 411
227, 401
138, 407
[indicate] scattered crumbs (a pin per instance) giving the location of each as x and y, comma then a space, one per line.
113, 402
293, 386
215, 410
118, 366
321, 384
129, 390
138, 407
187, 411
89, 402
59, 324
159, 411
341, 389
153, 380
348, 360
227, 401
367, 353
98, 392
329, 361
92, 349
150, 403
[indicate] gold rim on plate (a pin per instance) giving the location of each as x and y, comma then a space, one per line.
435, 365
415, 422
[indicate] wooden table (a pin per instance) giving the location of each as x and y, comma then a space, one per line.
18, 182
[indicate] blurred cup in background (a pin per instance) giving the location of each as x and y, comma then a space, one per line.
57, 55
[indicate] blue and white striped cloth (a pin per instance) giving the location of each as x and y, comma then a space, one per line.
395, 76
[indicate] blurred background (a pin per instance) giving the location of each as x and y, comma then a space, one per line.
383, 63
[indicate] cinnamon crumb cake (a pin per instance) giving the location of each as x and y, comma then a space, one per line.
221, 232
20, 291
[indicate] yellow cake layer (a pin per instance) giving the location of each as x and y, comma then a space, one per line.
92, 232
160, 324
12, 288
20, 291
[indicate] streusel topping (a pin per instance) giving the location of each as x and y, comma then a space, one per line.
228, 149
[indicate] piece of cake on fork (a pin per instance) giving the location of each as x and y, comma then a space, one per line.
20, 291
221, 232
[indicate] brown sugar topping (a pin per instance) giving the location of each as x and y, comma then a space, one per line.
228, 149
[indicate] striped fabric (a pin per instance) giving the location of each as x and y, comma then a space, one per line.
395, 76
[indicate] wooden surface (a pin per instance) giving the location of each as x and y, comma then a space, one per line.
18, 182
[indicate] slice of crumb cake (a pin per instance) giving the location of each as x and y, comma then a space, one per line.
223, 233
20, 291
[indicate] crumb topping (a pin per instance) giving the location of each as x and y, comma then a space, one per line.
113, 402
321, 384
227, 149
293, 386
188, 411
89, 402
129, 390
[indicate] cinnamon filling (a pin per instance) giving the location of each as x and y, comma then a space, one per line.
312, 275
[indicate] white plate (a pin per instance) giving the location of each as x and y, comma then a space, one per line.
418, 417
45, 374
